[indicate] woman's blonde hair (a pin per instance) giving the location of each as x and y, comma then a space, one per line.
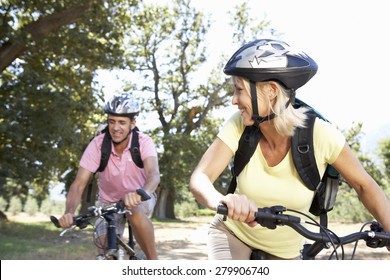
286, 119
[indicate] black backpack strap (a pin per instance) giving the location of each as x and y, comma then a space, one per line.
246, 147
134, 148
105, 151
303, 154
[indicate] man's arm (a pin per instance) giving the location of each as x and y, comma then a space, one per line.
152, 174
74, 196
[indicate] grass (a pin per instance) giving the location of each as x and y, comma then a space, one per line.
27, 239
41, 241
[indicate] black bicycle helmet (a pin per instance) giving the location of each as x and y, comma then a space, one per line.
272, 60
123, 104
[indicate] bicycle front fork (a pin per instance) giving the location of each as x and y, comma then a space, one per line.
112, 249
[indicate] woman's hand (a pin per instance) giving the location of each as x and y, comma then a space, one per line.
240, 208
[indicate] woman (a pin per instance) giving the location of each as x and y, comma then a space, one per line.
265, 74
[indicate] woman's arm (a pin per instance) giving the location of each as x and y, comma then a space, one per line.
371, 195
213, 163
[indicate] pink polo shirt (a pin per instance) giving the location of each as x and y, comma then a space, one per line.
121, 175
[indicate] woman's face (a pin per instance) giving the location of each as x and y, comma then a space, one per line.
242, 98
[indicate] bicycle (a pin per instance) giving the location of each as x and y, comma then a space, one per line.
115, 247
271, 217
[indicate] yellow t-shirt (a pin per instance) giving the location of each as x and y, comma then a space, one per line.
278, 185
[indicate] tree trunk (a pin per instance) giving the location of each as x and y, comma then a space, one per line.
165, 207
3, 217
90, 194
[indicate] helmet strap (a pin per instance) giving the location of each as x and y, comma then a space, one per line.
255, 108
256, 117
292, 97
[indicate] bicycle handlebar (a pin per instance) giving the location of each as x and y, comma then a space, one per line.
271, 217
81, 221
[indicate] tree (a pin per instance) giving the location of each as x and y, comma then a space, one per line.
166, 50
384, 152
247, 28
347, 206
54, 76
49, 53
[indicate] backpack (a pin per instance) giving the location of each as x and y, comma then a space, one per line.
106, 149
135, 155
302, 149
106, 152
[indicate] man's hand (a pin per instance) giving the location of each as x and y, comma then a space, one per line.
66, 220
132, 200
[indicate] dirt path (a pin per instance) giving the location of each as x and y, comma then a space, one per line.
183, 241
188, 241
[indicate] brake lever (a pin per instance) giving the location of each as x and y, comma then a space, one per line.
67, 229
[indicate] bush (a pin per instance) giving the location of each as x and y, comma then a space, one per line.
348, 208
52, 207
3, 204
186, 209
31, 206
204, 212
15, 205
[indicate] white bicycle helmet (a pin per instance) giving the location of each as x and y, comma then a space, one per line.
123, 104
271, 60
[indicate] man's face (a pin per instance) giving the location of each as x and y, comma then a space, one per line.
119, 127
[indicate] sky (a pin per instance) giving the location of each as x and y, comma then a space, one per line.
348, 39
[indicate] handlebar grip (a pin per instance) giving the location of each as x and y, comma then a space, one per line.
55, 221
78, 221
143, 194
222, 209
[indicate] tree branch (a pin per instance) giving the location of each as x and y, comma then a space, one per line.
39, 29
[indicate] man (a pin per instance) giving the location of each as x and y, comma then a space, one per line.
121, 177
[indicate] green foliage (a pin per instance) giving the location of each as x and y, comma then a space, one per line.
166, 49
52, 207
15, 205
3, 204
49, 102
41, 241
186, 209
384, 151
247, 28
31, 207
348, 207
201, 212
